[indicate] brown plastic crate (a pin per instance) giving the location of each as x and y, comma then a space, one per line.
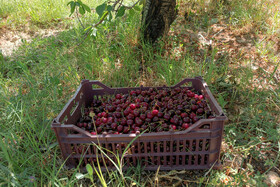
198, 147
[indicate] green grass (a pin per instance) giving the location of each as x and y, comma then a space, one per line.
39, 78
40, 13
32, 15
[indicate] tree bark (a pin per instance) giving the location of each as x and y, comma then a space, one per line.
157, 16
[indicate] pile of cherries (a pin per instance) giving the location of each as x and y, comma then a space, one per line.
149, 110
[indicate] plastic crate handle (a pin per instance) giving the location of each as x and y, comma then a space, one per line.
96, 82
184, 82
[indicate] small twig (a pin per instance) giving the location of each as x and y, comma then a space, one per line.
130, 7
79, 19
218, 33
119, 6
210, 169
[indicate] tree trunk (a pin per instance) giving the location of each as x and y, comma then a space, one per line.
157, 16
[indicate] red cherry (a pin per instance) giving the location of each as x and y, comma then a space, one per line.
132, 92
137, 129
166, 116
173, 127
150, 115
132, 106
142, 116
104, 120
118, 96
194, 107
118, 114
138, 92
200, 97
114, 126
174, 120
125, 129
185, 125
137, 100
85, 125
126, 112
99, 130
111, 108
195, 119
98, 122
110, 120
138, 105
80, 124
138, 121
192, 115
117, 101
190, 94
160, 114
187, 120
130, 116
120, 128
104, 114
183, 115
136, 113
155, 112
129, 122
200, 111
123, 121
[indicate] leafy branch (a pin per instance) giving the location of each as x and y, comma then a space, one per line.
105, 11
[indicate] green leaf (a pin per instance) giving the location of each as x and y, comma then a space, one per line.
121, 12
137, 8
89, 169
86, 8
109, 8
131, 12
70, 3
73, 5
82, 10
100, 9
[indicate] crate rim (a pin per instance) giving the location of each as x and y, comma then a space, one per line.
221, 115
